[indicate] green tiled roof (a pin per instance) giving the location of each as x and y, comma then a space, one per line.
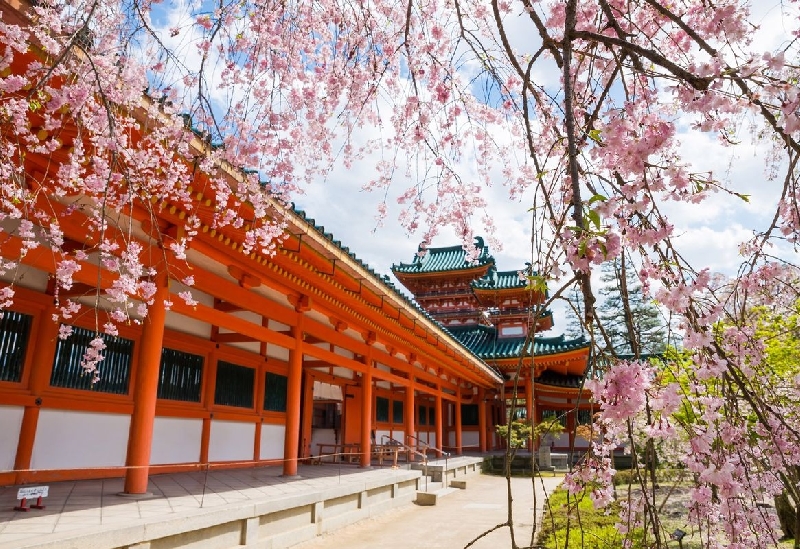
452, 258
501, 280
483, 341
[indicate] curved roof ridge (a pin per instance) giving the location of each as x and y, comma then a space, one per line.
444, 259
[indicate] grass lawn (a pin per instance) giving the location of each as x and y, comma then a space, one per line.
579, 521
587, 527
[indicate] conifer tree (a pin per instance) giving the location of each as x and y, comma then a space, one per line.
633, 324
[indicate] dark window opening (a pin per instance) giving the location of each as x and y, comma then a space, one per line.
397, 411
180, 376
15, 329
235, 385
584, 417
327, 415
275, 392
114, 369
469, 414
555, 414
382, 409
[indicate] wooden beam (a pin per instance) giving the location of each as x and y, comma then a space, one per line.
233, 337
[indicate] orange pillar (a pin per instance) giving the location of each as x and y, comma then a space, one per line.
41, 364
481, 419
409, 419
308, 414
210, 387
140, 438
459, 435
366, 411
571, 428
294, 387
439, 415
529, 407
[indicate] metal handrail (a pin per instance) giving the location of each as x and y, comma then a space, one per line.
442, 452
428, 446
395, 442
408, 448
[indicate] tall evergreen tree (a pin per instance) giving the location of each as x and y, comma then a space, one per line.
633, 324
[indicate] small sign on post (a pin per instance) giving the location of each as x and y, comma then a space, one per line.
28, 492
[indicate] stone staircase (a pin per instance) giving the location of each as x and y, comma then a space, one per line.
441, 477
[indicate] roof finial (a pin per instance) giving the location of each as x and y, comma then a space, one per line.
422, 250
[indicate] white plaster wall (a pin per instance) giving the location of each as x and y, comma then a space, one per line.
383, 384
70, 440
276, 326
581, 442
249, 316
272, 441
346, 373
271, 294
274, 351
470, 438
231, 441
187, 325
10, 425
249, 346
399, 436
321, 436
379, 433
562, 440
176, 440
382, 367
27, 277
343, 352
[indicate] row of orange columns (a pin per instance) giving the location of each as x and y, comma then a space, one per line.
145, 392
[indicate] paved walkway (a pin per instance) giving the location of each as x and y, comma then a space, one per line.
94, 505
457, 519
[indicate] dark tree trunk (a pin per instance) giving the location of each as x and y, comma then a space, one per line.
788, 517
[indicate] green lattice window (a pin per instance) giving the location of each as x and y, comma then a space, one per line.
397, 411
114, 369
275, 392
235, 385
382, 409
180, 376
15, 329
555, 414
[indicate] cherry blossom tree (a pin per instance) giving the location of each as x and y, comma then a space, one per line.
113, 107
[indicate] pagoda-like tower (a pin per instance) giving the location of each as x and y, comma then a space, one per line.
497, 315
441, 278
510, 302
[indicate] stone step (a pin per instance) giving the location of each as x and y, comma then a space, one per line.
431, 498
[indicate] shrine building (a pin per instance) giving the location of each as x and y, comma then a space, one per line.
278, 358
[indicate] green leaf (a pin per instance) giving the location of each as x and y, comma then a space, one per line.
594, 217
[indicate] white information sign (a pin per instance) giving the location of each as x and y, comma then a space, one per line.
29, 492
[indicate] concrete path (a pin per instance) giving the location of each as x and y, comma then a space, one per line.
457, 519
